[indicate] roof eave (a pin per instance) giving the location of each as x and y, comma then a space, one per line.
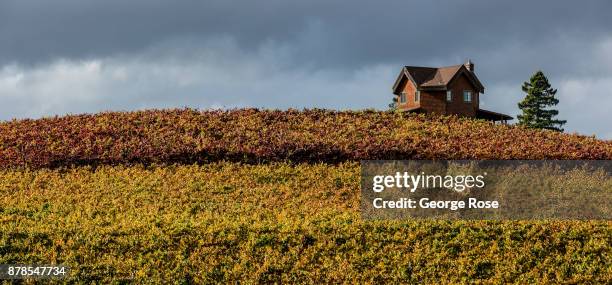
398, 80
493, 114
403, 73
471, 76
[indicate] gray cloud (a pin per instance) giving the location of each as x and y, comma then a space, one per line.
213, 75
326, 32
83, 56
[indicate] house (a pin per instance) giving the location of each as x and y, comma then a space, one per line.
443, 90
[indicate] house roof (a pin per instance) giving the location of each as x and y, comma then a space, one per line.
493, 116
480, 114
435, 78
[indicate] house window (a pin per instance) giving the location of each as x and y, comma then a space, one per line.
403, 97
467, 96
449, 95
417, 96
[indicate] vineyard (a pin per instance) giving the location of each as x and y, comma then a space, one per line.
253, 136
249, 196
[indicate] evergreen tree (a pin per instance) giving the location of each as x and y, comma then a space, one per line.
540, 95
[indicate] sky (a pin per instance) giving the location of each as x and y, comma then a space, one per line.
83, 56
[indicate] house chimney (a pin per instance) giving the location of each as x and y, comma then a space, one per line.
469, 65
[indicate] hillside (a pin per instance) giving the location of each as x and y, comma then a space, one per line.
247, 196
253, 136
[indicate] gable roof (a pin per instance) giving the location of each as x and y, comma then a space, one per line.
432, 78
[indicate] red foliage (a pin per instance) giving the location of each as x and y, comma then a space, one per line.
250, 135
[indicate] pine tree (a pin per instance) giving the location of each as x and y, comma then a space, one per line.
540, 95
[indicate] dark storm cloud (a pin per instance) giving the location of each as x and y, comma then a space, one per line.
337, 33
143, 50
